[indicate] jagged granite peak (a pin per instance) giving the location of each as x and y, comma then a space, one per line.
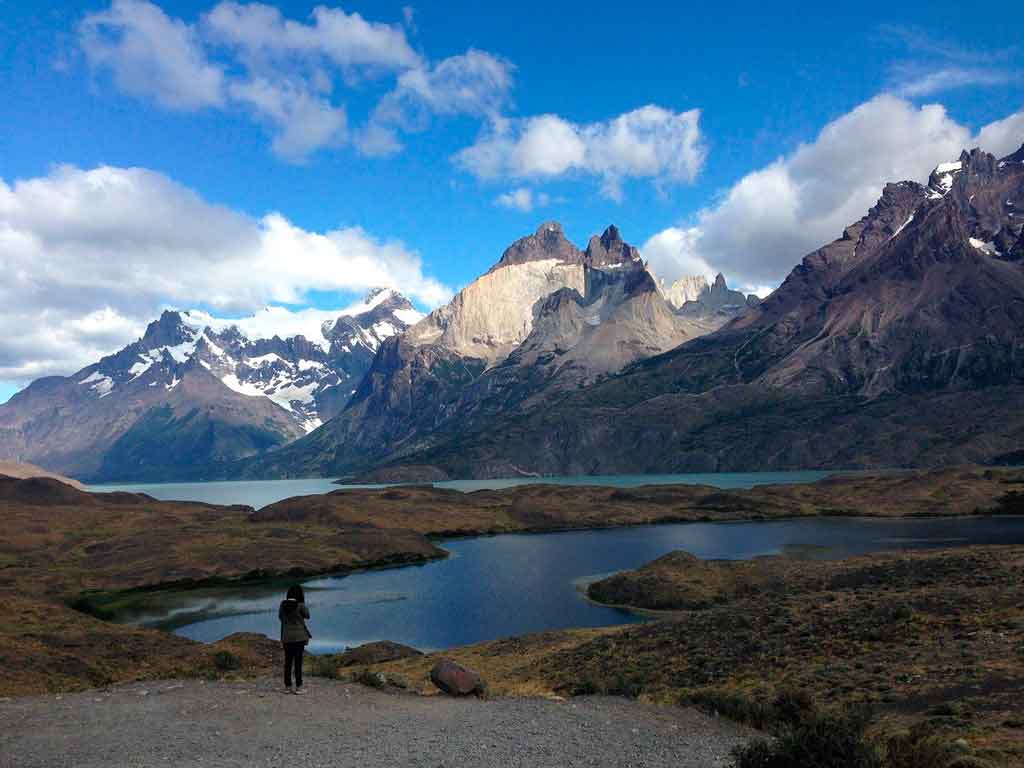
609, 250
687, 288
167, 331
548, 242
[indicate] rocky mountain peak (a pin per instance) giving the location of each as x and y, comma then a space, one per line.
548, 242
168, 331
688, 288
609, 249
388, 298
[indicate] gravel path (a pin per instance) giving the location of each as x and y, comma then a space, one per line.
192, 723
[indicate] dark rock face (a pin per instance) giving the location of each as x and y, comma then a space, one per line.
610, 249
455, 680
548, 242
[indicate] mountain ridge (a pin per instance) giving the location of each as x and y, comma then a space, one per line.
898, 344
194, 390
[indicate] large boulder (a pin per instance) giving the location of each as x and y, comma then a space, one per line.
455, 680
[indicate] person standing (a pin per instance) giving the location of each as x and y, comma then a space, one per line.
294, 635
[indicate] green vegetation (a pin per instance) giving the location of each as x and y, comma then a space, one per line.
226, 661
811, 738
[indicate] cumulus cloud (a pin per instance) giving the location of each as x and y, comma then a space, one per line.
772, 217
286, 73
70, 295
151, 54
649, 142
474, 83
262, 35
1002, 137
522, 199
672, 253
304, 121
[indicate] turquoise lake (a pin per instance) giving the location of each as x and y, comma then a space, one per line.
259, 493
493, 587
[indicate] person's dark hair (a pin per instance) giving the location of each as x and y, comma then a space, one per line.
295, 593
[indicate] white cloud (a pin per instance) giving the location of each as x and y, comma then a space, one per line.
522, 199
649, 142
305, 122
915, 81
346, 40
773, 217
930, 66
286, 73
90, 256
1002, 137
473, 83
672, 254
151, 54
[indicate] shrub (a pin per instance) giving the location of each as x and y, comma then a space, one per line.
921, 749
837, 740
226, 661
324, 666
742, 709
788, 708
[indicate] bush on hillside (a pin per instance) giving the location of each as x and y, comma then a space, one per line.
832, 740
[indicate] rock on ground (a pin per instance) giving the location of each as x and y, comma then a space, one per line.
220, 724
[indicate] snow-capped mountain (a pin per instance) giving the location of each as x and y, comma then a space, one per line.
309, 362
234, 387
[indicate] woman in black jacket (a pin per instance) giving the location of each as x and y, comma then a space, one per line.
294, 635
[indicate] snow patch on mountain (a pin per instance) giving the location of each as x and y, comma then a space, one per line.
312, 324
101, 385
941, 180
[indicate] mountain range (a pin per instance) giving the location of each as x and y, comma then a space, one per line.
897, 344
194, 392
901, 343
546, 320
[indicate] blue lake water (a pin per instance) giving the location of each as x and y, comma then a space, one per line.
494, 587
259, 493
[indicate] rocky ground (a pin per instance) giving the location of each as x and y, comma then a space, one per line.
252, 723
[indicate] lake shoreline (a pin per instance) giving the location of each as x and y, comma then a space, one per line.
93, 602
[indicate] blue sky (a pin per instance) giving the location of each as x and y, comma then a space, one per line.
549, 98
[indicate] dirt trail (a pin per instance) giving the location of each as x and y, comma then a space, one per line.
192, 723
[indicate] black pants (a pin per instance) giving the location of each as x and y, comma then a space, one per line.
293, 657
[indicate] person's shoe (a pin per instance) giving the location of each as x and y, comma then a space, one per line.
288, 689
299, 692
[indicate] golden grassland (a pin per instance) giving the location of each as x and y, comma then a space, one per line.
935, 636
